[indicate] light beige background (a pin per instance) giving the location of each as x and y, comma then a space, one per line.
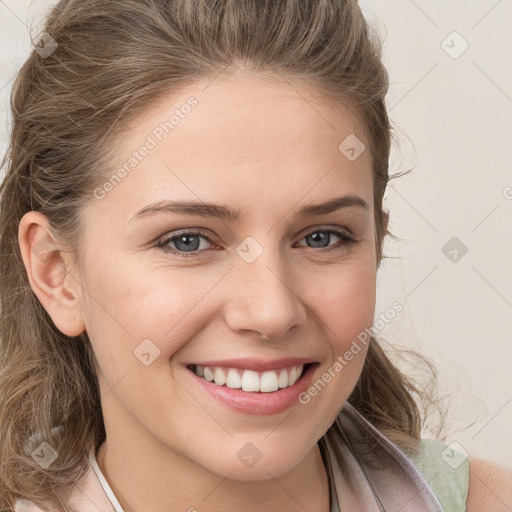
453, 118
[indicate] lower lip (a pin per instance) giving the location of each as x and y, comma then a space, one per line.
257, 403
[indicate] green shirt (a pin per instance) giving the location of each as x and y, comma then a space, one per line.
446, 470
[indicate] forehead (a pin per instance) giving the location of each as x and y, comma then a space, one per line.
242, 134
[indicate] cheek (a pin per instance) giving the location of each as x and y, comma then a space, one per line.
135, 311
345, 310
135, 301
345, 303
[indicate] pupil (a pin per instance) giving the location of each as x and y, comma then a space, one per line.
316, 236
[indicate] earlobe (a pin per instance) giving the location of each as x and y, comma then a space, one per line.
49, 277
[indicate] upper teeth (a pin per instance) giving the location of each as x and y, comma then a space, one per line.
250, 380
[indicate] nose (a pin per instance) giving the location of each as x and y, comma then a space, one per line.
262, 298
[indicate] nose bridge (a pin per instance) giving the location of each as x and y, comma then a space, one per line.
264, 299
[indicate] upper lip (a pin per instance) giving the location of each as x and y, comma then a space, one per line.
258, 365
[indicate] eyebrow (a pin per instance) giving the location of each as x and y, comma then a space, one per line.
203, 209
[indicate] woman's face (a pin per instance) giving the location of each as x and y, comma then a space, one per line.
156, 301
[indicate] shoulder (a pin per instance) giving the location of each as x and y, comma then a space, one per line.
490, 487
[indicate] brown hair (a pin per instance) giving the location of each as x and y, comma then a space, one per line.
113, 59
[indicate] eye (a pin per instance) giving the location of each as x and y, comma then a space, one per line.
187, 243
325, 236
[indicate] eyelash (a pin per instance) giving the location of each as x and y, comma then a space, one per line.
345, 241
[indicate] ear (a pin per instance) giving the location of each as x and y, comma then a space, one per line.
48, 271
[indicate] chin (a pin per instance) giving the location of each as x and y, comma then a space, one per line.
250, 463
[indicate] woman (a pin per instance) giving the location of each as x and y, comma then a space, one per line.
191, 227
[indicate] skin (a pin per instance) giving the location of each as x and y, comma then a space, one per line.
490, 487
170, 446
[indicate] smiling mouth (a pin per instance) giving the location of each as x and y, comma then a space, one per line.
250, 380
